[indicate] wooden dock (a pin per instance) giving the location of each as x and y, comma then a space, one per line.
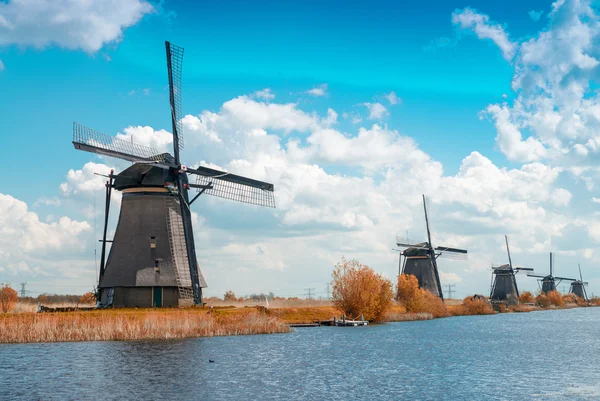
343, 322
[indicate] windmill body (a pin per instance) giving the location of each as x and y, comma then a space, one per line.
420, 260
152, 260
504, 287
549, 281
578, 287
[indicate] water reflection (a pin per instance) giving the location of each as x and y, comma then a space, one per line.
505, 357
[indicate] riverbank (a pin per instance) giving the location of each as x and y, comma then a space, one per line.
134, 324
164, 324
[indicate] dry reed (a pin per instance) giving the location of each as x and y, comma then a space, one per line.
116, 325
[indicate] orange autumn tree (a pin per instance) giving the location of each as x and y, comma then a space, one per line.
87, 298
418, 300
8, 298
229, 296
526, 297
359, 290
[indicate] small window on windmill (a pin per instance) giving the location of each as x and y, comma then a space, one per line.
152, 242
156, 268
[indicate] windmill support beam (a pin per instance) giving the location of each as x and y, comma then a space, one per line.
204, 188
109, 185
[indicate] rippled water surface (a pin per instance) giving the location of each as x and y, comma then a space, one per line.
539, 355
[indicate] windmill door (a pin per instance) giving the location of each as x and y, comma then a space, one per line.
157, 297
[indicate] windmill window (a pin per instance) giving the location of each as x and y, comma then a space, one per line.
156, 268
152, 242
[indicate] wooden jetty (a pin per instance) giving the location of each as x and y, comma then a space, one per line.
343, 322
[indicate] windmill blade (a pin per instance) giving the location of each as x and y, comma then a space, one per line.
580, 276
565, 279
405, 243
235, 187
526, 269
455, 256
447, 249
90, 140
535, 275
174, 67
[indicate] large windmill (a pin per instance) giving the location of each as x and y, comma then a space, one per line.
420, 259
549, 281
504, 286
578, 286
152, 261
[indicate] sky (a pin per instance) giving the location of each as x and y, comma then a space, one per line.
352, 110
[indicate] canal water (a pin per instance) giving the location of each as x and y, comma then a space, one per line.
540, 355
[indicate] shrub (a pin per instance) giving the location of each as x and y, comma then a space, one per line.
595, 301
8, 298
542, 300
87, 298
359, 290
229, 296
526, 298
477, 306
555, 298
418, 300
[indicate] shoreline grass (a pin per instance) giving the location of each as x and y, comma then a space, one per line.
123, 325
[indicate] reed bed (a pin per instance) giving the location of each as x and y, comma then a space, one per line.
132, 325
394, 316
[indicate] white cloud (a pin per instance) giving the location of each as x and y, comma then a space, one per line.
376, 110
264, 94
392, 98
318, 91
21, 231
480, 24
555, 113
54, 201
85, 181
71, 24
596, 200
147, 136
535, 15
2, 68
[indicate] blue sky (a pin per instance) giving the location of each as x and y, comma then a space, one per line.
446, 73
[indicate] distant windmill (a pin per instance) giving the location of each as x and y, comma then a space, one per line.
549, 282
152, 261
420, 259
504, 286
578, 286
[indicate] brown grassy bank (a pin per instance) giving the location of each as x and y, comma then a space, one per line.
115, 325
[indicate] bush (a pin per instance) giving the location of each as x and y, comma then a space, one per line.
526, 298
542, 300
477, 306
87, 298
555, 298
595, 301
229, 296
359, 290
418, 300
8, 298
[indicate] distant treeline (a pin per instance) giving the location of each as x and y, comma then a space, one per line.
58, 299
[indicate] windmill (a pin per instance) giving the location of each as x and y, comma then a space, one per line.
578, 286
420, 259
504, 286
549, 282
152, 260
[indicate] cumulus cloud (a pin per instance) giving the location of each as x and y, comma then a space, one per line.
87, 25
318, 91
147, 136
535, 15
480, 24
21, 230
376, 110
392, 98
555, 112
264, 94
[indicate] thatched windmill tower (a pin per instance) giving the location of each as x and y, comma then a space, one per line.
549, 281
578, 286
504, 287
152, 261
420, 259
